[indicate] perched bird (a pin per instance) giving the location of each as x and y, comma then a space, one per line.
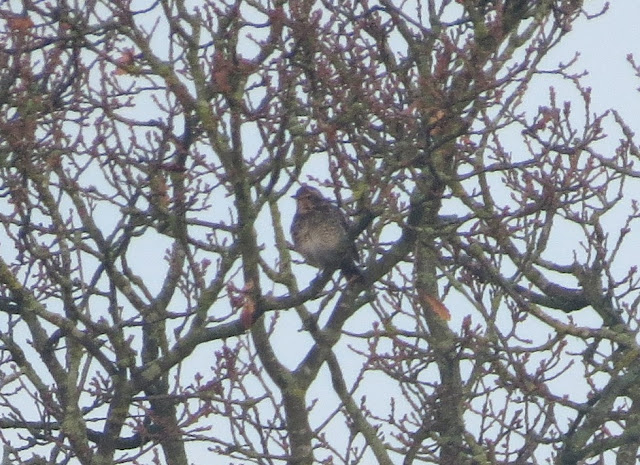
320, 233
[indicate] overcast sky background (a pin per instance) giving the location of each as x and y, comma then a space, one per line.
604, 44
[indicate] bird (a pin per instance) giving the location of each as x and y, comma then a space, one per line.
320, 234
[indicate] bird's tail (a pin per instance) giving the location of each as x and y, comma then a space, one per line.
352, 272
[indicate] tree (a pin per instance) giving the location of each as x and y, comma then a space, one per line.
153, 311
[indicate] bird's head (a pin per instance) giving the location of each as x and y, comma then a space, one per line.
308, 198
